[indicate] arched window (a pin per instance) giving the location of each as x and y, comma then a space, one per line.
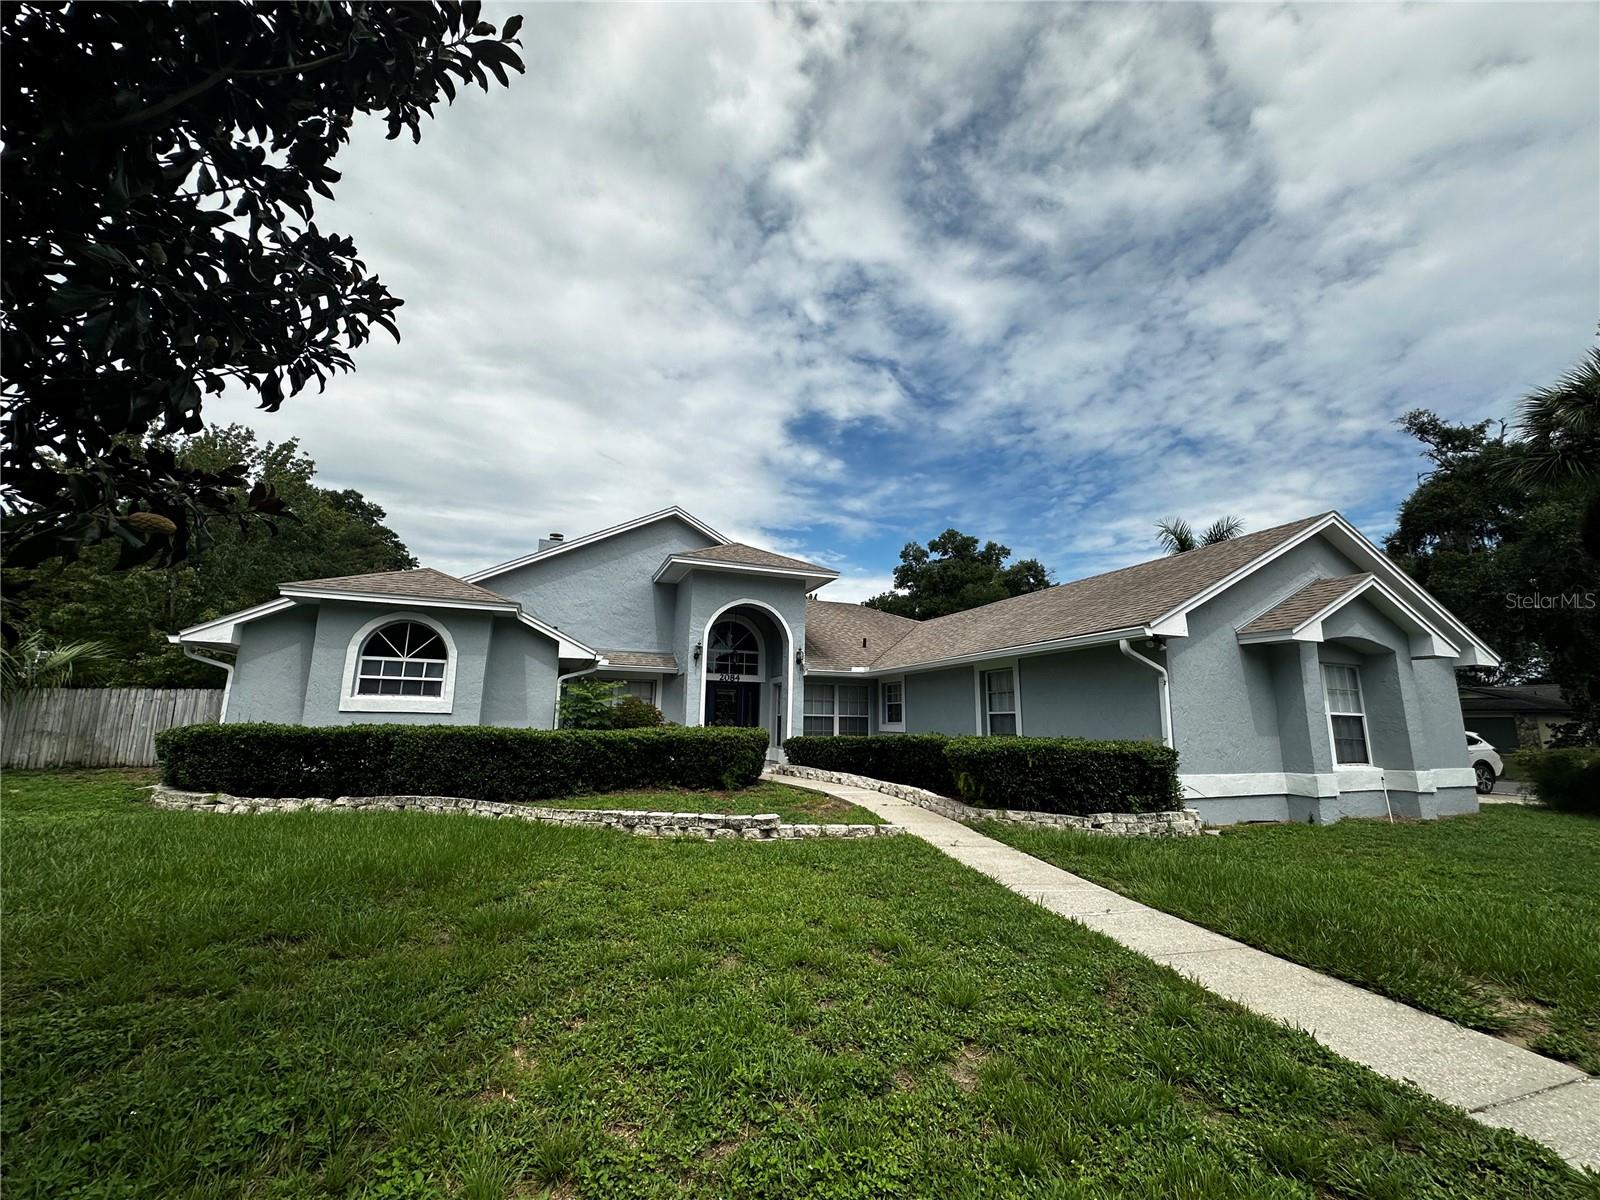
404, 658
735, 651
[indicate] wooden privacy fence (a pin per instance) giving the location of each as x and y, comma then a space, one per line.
99, 727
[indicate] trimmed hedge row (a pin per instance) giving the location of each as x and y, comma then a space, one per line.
1567, 779
914, 759
1057, 775
474, 761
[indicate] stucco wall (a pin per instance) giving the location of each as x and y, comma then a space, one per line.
1093, 693
700, 596
1225, 699
941, 702
601, 593
519, 680
337, 623
271, 668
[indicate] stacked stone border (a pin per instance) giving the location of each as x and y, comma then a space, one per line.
1178, 823
763, 827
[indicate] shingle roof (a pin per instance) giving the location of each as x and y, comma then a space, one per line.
751, 556
1116, 600
841, 636
1304, 604
424, 583
660, 660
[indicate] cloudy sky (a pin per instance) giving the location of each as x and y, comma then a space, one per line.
833, 279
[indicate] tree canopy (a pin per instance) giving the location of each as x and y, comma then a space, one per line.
952, 573
334, 532
1501, 548
157, 240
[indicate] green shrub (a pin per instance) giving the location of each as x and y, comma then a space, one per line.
1565, 779
587, 704
914, 759
477, 761
633, 713
1065, 775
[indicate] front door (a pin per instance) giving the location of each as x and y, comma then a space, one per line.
733, 704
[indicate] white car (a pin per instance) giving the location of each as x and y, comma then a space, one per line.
1485, 761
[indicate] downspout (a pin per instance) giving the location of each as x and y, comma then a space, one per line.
1163, 687
227, 688
561, 683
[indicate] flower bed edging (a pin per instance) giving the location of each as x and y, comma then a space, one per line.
763, 827
1179, 823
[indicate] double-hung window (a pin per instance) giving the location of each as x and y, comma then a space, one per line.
836, 709
893, 701
1000, 702
1347, 714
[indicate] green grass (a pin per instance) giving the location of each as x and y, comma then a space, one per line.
793, 804
404, 1005
1491, 920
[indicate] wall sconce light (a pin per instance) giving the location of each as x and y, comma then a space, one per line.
799, 658
698, 647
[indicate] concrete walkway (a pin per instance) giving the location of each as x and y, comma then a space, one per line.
1496, 1082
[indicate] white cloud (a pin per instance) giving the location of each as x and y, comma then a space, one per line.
836, 278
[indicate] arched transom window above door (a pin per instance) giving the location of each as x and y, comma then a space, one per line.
735, 651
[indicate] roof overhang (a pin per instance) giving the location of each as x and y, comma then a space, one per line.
1427, 639
677, 567
1082, 641
296, 593
1468, 649
224, 631
600, 535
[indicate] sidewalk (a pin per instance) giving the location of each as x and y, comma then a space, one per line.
1496, 1082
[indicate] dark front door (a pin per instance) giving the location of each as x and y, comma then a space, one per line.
733, 704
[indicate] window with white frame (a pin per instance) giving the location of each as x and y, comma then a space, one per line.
893, 714
402, 659
1000, 702
1347, 714
836, 710
641, 689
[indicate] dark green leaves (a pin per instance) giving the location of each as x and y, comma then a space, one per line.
157, 235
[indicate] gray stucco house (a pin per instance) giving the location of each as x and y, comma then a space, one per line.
1299, 673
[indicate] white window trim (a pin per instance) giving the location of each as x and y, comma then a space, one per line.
981, 699
884, 724
833, 686
1327, 704
352, 701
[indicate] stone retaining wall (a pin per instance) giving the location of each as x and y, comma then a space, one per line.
765, 827
1180, 823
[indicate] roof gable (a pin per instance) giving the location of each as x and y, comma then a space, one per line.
599, 535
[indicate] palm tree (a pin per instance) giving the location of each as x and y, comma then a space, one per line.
1177, 536
33, 663
1560, 427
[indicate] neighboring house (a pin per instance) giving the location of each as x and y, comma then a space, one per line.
1299, 673
1513, 716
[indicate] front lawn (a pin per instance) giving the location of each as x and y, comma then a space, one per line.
407, 1005
796, 805
1490, 920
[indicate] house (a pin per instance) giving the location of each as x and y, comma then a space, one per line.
1299, 673
1509, 717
